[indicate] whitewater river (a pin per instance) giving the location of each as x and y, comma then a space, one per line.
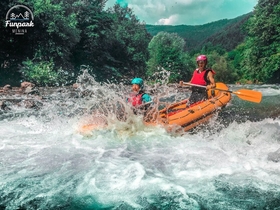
233, 163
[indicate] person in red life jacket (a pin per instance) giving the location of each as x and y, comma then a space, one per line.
138, 96
201, 76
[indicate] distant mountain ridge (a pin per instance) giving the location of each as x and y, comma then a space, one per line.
226, 32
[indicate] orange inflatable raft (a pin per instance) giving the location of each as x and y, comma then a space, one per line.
198, 113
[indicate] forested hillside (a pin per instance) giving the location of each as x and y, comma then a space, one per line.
227, 32
229, 36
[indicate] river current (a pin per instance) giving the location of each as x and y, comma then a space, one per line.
232, 163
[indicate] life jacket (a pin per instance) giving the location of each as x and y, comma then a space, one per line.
135, 100
201, 78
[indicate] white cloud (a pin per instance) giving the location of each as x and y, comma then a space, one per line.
168, 21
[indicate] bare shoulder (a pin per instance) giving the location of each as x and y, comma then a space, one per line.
210, 74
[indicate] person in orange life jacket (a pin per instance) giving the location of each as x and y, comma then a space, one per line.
138, 96
201, 76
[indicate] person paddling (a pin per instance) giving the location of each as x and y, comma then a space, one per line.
201, 76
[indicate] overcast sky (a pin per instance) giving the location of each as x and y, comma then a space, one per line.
186, 12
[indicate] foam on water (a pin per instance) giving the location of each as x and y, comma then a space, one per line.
46, 164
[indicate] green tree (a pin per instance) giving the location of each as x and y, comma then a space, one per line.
96, 34
40, 73
129, 42
167, 51
224, 71
113, 42
56, 30
261, 58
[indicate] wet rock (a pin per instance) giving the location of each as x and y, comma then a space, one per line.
30, 90
274, 156
275, 113
28, 104
3, 105
7, 88
24, 85
30, 97
75, 86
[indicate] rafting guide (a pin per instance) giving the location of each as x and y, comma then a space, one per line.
19, 18
201, 76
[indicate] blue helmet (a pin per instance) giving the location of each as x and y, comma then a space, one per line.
139, 82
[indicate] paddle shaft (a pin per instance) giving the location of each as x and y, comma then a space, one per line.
201, 86
244, 94
190, 84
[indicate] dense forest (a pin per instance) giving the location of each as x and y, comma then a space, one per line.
114, 45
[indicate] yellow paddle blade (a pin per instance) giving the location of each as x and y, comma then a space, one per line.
249, 95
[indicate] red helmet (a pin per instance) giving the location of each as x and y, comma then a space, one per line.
201, 58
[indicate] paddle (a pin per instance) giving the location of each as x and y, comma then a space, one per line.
143, 105
244, 94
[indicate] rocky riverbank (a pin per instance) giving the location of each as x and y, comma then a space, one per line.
32, 97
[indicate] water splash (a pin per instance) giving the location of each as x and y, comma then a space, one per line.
46, 164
